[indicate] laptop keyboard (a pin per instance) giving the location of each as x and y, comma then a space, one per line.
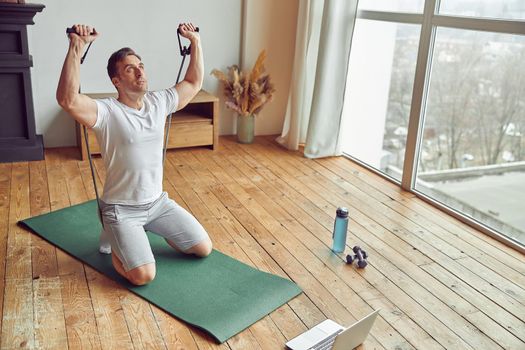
326, 343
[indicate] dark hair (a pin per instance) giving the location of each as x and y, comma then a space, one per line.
116, 57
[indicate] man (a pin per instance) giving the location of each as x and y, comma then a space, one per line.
130, 132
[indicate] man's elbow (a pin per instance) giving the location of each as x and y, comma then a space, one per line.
65, 102
61, 99
196, 86
199, 85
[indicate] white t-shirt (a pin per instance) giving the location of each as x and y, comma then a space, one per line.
131, 143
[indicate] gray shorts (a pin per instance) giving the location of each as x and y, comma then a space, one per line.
125, 227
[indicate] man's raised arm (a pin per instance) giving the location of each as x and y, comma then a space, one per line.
81, 107
192, 82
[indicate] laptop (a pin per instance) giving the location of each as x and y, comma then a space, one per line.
328, 335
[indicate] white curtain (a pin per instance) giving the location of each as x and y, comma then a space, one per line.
315, 103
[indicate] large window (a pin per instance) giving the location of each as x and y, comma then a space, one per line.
435, 100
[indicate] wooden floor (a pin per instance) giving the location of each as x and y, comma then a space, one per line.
439, 284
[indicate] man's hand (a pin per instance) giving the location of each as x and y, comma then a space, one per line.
84, 34
189, 31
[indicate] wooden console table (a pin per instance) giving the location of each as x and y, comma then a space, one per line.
197, 124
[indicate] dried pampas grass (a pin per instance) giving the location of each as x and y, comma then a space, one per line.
246, 92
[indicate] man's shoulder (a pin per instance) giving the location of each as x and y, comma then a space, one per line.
162, 96
108, 101
170, 90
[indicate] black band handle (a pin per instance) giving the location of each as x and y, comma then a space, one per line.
71, 30
178, 30
183, 49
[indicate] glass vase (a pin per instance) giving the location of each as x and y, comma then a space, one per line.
245, 128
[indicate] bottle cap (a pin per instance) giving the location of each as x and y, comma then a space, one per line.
342, 212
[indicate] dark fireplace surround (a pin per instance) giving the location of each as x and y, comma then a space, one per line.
18, 138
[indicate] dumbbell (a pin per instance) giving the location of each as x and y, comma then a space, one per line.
360, 256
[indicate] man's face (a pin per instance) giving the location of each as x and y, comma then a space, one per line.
130, 75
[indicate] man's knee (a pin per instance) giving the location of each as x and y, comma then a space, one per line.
142, 275
201, 249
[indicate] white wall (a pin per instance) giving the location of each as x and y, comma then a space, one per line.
149, 27
271, 25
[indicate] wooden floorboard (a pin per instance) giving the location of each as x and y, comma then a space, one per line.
81, 324
439, 283
5, 191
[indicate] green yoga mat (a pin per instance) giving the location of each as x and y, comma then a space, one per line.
218, 294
